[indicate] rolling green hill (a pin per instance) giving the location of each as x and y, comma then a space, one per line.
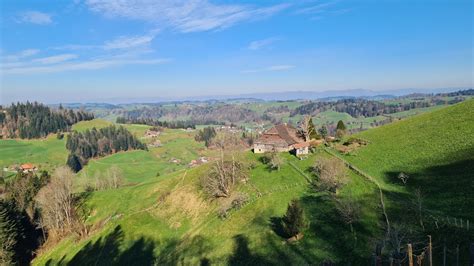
46, 153
435, 149
167, 219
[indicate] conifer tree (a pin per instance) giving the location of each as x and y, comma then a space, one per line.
323, 131
74, 163
340, 129
294, 221
341, 126
8, 234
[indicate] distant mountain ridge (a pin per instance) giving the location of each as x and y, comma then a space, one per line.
278, 96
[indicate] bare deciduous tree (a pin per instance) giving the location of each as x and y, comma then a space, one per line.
349, 209
418, 205
306, 127
223, 175
275, 161
331, 174
115, 176
56, 202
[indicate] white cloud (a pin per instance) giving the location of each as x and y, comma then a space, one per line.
125, 42
184, 15
315, 9
256, 45
270, 68
55, 59
21, 54
93, 64
35, 17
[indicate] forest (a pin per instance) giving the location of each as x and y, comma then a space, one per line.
35, 120
98, 143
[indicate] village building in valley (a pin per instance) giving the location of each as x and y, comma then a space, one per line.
281, 138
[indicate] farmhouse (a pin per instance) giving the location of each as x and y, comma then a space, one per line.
28, 168
281, 138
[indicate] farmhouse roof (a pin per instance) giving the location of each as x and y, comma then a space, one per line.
280, 134
27, 166
301, 145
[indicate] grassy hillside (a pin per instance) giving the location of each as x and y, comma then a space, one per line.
435, 149
46, 153
168, 220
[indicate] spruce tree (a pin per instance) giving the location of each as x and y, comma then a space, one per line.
74, 163
294, 221
340, 130
312, 129
341, 126
323, 131
8, 234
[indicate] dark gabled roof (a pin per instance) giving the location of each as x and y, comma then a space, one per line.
280, 134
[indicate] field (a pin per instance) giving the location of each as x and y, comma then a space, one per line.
168, 220
435, 149
46, 153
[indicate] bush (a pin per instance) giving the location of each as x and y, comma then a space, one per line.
239, 201
331, 174
223, 213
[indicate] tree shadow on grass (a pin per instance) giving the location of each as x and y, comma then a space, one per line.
328, 232
447, 191
447, 188
242, 255
192, 250
106, 251
276, 224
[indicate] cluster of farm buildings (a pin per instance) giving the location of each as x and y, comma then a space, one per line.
282, 138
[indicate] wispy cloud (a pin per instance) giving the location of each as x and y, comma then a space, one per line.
182, 15
34, 17
315, 8
92, 64
21, 54
270, 68
256, 45
119, 43
126, 42
55, 59
124, 50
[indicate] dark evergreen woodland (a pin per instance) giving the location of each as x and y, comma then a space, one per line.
35, 120
98, 143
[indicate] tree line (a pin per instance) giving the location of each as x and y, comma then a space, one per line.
35, 120
358, 107
99, 142
155, 122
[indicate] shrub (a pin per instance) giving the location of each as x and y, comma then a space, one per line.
331, 174
239, 201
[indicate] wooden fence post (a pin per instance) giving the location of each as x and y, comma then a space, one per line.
410, 255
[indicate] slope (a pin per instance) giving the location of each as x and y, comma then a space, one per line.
436, 151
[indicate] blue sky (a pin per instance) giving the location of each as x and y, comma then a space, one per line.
94, 50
